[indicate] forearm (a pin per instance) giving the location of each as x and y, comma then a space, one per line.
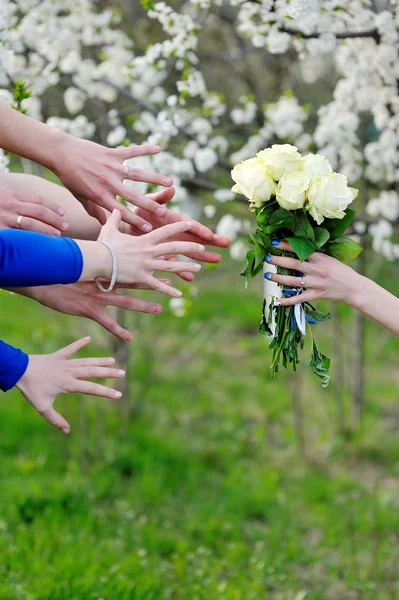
376, 303
81, 225
33, 259
29, 138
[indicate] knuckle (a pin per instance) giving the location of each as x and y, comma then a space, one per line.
134, 173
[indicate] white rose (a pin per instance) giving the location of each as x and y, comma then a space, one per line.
254, 181
291, 190
315, 165
280, 159
328, 197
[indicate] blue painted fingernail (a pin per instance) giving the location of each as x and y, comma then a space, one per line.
267, 275
268, 258
275, 243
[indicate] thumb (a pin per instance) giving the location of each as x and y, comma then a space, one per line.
72, 348
115, 219
55, 419
163, 196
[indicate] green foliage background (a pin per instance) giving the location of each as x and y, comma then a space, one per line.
222, 484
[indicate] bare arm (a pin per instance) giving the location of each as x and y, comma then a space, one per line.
81, 225
93, 173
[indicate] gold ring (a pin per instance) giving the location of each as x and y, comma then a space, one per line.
18, 225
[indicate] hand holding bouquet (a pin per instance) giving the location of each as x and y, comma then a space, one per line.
300, 200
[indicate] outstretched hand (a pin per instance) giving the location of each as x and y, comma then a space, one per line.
94, 174
49, 375
84, 299
139, 257
198, 233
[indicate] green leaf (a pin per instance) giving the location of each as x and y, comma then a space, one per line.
281, 219
302, 247
264, 327
337, 227
344, 249
303, 228
251, 270
263, 214
251, 239
321, 237
319, 364
317, 315
260, 250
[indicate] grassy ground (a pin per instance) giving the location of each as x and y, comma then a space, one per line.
221, 485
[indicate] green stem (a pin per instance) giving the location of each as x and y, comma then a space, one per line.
278, 351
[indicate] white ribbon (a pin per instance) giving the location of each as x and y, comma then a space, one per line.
299, 312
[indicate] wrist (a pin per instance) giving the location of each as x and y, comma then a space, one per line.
97, 260
357, 291
57, 142
23, 384
106, 261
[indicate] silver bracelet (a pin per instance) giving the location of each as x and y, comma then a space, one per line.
114, 270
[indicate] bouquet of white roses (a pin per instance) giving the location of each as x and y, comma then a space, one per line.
299, 199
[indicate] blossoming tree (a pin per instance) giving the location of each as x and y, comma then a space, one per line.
119, 88
220, 81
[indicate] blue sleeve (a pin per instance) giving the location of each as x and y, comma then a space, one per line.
29, 259
13, 364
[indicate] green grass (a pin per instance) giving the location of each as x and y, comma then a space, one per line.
203, 493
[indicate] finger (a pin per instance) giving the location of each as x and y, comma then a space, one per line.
148, 177
176, 266
158, 286
186, 276
220, 241
95, 389
133, 151
178, 248
129, 303
307, 296
93, 210
43, 214
114, 220
28, 224
167, 231
206, 257
94, 372
134, 286
88, 362
74, 347
55, 419
289, 263
139, 224
28, 198
282, 245
113, 326
163, 196
134, 197
285, 279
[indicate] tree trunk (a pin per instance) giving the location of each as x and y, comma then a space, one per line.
358, 348
121, 354
339, 371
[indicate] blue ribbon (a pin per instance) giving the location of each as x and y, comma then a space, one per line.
297, 292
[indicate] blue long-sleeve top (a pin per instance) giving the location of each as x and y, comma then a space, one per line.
13, 364
31, 259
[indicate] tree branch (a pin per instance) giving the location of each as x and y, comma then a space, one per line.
340, 35
222, 162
